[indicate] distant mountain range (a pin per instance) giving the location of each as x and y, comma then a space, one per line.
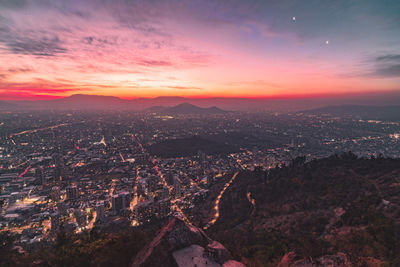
185, 108
163, 103
384, 113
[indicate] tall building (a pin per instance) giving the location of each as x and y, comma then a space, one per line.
39, 173
152, 182
100, 211
144, 211
177, 186
80, 217
117, 204
162, 208
163, 193
72, 192
59, 167
55, 222
126, 199
55, 193
62, 208
201, 155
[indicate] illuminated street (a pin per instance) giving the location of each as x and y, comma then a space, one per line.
217, 201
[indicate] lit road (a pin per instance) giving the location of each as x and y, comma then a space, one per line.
250, 199
111, 192
217, 201
39, 129
19, 165
92, 221
134, 200
173, 202
122, 157
24, 172
103, 141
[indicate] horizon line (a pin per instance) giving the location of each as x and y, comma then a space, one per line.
199, 97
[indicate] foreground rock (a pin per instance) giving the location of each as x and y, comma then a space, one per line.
181, 244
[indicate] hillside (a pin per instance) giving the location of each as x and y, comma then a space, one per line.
168, 243
341, 206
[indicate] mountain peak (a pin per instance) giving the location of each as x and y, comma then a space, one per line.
188, 108
186, 104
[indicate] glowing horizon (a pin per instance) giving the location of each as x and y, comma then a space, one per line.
254, 49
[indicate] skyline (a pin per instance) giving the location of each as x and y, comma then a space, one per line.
253, 49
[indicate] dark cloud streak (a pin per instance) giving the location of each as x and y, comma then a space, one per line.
155, 63
386, 58
39, 47
387, 66
20, 70
13, 4
390, 71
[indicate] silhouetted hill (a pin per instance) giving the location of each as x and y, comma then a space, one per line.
90, 102
187, 108
339, 204
226, 103
384, 113
189, 147
80, 101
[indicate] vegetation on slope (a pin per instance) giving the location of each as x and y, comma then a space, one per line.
316, 208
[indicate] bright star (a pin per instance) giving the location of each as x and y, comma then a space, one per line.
294, 18
327, 42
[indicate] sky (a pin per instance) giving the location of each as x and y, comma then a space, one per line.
198, 48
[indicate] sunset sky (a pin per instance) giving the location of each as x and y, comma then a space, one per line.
232, 48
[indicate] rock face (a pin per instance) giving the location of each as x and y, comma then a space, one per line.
181, 244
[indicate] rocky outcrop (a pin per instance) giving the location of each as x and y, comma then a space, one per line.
182, 244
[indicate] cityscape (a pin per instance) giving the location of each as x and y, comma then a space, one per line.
72, 171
